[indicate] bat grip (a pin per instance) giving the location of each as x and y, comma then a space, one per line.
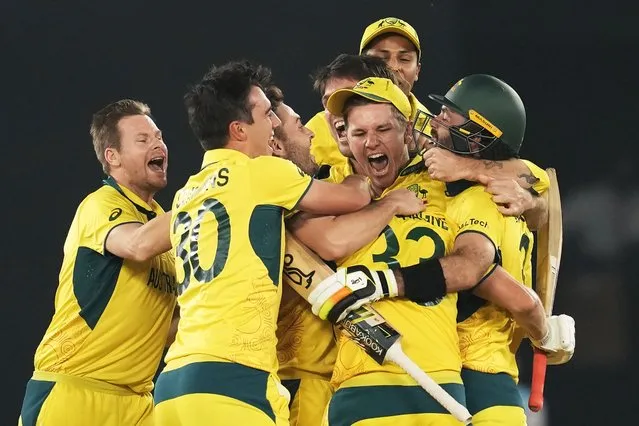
396, 355
536, 399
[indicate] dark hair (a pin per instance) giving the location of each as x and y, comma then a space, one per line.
276, 97
357, 67
104, 126
220, 98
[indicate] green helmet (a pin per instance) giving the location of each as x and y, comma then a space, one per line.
495, 112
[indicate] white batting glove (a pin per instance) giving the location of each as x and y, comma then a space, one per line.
559, 342
348, 289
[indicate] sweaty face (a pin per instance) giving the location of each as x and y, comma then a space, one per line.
336, 123
260, 132
143, 156
377, 141
295, 140
400, 56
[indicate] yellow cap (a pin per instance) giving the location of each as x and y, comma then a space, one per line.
390, 25
373, 88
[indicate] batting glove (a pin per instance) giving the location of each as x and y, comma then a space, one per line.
559, 341
348, 289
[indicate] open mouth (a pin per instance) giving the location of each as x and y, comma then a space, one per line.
340, 128
157, 164
379, 162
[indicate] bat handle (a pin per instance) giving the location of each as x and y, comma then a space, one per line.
536, 399
396, 355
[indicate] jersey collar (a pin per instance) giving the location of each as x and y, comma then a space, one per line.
140, 205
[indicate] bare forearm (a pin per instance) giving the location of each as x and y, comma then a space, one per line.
537, 216
508, 169
436, 277
340, 236
352, 231
462, 272
152, 238
138, 242
501, 289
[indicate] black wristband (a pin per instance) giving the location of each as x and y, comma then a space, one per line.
424, 282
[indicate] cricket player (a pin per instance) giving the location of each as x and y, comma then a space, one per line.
484, 117
306, 346
485, 240
116, 293
329, 146
227, 233
377, 115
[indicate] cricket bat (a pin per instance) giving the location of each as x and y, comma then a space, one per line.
303, 270
549, 243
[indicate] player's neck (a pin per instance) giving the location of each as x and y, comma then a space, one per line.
357, 168
240, 146
143, 193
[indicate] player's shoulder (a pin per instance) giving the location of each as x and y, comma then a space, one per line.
416, 104
317, 121
105, 197
270, 164
468, 194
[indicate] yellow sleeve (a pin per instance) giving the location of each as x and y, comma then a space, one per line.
99, 213
543, 183
323, 146
278, 182
475, 211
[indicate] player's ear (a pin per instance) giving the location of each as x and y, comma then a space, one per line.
408, 134
237, 131
277, 147
112, 157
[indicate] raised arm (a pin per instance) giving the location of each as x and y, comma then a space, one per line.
446, 166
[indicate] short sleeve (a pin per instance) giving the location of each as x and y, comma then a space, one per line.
474, 211
278, 182
100, 212
543, 181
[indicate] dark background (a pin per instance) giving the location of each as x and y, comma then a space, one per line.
61, 61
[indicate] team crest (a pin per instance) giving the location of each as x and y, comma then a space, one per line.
459, 83
364, 84
418, 190
391, 22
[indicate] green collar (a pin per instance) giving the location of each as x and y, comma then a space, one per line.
113, 184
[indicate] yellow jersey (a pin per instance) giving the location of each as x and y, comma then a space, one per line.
112, 315
228, 232
429, 334
543, 181
323, 145
299, 355
486, 332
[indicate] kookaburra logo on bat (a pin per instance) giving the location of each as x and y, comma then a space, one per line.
296, 275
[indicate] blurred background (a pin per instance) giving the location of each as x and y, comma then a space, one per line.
569, 61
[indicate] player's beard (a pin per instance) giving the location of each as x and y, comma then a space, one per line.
302, 158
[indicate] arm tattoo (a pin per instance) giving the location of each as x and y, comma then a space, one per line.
529, 178
489, 164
